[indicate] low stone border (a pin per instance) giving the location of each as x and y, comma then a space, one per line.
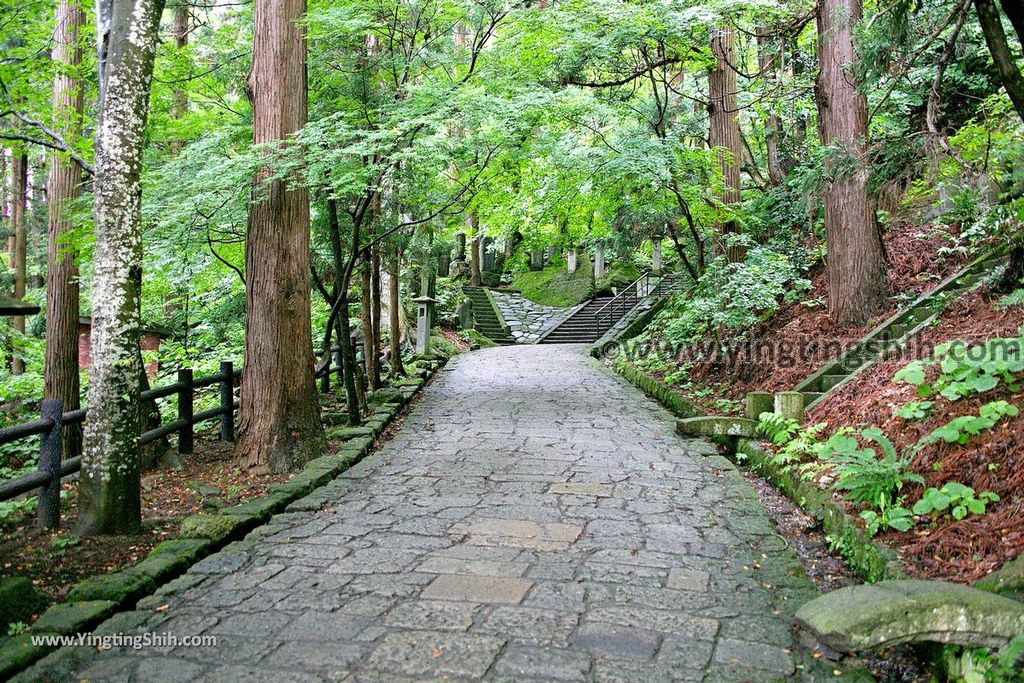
867, 559
95, 599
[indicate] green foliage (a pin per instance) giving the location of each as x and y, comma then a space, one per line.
893, 517
1014, 298
984, 665
861, 473
956, 498
961, 429
16, 628
778, 428
914, 410
967, 370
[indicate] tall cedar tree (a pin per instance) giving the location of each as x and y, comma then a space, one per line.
63, 186
279, 419
19, 245
724, 128
109, 482
856, 258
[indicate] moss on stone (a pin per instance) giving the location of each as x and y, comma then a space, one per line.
346, 433
382, 396
74, 617
187, 549
18, 652
262, 507
19, 600
335, 419
118, 587
213, 527
556, 286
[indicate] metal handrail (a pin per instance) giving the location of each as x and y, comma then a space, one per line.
618, 302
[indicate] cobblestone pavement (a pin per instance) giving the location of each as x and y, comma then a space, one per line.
536, 518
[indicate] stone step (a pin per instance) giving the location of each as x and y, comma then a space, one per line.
827, 382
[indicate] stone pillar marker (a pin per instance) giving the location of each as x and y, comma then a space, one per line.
424, 321
537, 259
460, 246
759, 402
599, 263
656, 255
790, 404
571, 260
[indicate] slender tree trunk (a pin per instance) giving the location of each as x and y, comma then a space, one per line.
366, 317
64, 185
1010, 75
767, 58
279, 421
475, 275
109, 480
179, 101
394, 313
856, 257
19, 190
724, 131
375, 309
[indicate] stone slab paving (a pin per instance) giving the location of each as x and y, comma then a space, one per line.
528, 320
536, 518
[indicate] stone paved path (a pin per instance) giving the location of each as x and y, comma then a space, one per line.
536, 518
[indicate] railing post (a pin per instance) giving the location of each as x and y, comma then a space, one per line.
338, 366
185, 393
325, 380
227, 401
48, 514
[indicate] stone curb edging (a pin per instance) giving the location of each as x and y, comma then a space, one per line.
867, 559
95, 599
497, 311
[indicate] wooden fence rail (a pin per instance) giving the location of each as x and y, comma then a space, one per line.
51, 421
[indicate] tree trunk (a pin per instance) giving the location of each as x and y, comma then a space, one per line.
1015, 11
279, 420
375, 310
475, 276
992, 26
724, 131
366, 317
179, 98
856, 258
64, 185
767, 64
19, 190
109, 480
395, 312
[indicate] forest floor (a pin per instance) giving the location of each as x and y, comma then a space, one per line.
945, 548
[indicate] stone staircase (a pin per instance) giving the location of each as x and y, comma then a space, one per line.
597, 316
485, 316
900, 328
581, 327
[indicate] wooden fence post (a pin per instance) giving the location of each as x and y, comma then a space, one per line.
48, 514
185, 393
227, 401
339, 367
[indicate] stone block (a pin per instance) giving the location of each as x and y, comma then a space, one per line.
19, 600
486, 589
213, 527
888, 613
716, 426
74, 617
118, 587
18, 653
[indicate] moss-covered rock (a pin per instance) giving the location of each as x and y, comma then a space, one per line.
74, 617
213, 527
262, 507
1007, 581
346, 433
882, 615
716, 426
382, 396
18, 653
19, 600
159, 568
335, 419
189, 550
118, 587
